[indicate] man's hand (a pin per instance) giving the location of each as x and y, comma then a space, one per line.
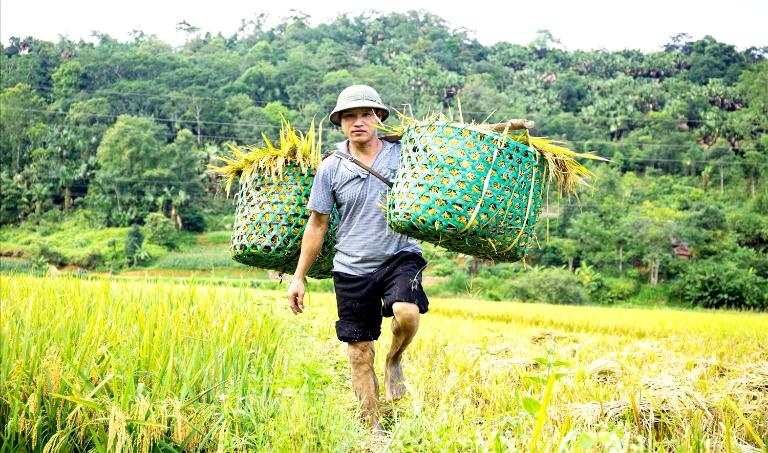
311, 243
296, 296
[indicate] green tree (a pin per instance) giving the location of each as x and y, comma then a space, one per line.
161, 230
572, 91
28, 61
654, 227
129, 160
712, 59
22, 125
134, 243
569, 248
67, 83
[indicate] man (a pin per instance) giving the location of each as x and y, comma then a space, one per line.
372, 264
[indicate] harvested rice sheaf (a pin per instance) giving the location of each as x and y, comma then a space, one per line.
296, 148
671, 402
271, 215
658, 400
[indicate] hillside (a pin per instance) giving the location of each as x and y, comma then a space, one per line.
113, 132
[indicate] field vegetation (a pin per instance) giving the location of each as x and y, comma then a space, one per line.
116, 365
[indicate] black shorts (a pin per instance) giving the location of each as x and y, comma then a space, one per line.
359, 297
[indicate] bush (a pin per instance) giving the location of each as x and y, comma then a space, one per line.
161, 230
548, 285
43, 252
441, 268
92, 260
617, 289
457, 283
650, 295
493, 288
714, 285
502, 270
135, 253
751, 230
590, 278
192, 219
441, 262
759, 262
134, 241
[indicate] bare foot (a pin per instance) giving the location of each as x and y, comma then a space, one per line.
377, 441
394, 381
378, 431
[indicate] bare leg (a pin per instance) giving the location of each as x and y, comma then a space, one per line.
404, 327
364, 382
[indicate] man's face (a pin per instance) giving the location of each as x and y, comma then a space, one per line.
359, 124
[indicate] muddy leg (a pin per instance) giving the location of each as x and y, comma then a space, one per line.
404, 327
364, 382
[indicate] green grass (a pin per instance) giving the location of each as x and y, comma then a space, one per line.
74, 242
198, 258
215, 237
71, 241
16, 266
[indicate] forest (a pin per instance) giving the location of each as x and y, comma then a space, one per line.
115, 136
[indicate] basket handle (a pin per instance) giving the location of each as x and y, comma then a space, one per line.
515, 124
511, 125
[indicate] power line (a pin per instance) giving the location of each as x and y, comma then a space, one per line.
275, 127
170, 96
173, 97
289, 104
163, 120
630, 159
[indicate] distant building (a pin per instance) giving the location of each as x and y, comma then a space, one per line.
681, 251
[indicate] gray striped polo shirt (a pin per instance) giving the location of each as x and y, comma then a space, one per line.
363, 241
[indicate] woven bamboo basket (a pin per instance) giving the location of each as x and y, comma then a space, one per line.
270, 219
468, 189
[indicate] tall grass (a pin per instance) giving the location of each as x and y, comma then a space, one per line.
108, 366
97, 365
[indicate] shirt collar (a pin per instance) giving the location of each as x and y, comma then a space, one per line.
353, 167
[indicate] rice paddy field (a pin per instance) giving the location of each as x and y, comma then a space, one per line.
137, 366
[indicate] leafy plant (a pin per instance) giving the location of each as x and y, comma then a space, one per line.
617, 289
161, 230
134, 240
723, 285
538, 408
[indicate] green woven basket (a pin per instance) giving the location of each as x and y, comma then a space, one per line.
469, 190
270, 221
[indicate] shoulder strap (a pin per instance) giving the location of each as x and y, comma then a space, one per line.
370, 170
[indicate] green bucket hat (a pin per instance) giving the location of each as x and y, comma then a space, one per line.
357, 96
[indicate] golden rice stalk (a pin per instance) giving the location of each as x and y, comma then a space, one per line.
661, 400
562, 165
118, 435
748, 389
605, 370
294, 148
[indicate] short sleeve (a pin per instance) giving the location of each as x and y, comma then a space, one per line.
321, 196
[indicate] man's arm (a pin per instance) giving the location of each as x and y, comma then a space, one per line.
311, 244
